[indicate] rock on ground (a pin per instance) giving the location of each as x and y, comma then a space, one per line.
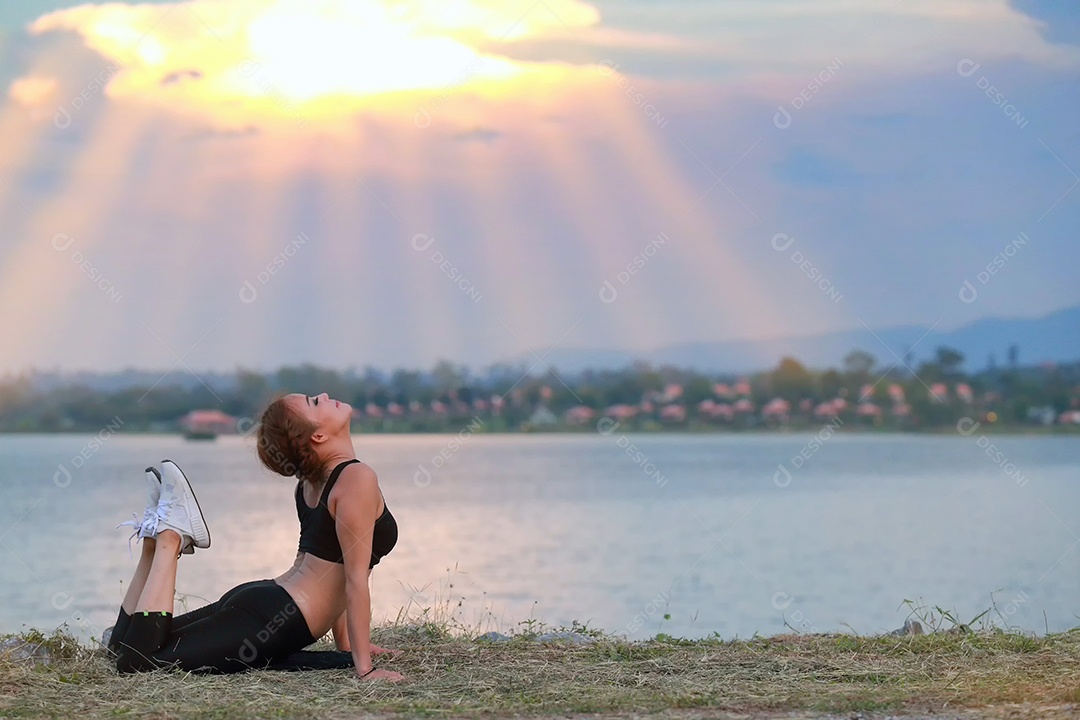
18, 649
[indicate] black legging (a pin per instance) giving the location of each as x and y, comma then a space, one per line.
251, 626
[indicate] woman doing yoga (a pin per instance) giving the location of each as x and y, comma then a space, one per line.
345, 529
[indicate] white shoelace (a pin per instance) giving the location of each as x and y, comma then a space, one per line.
135, 523
148, 526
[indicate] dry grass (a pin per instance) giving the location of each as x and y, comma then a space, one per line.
453, 674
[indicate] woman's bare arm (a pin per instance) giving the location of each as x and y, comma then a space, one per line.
341, 628
358, 498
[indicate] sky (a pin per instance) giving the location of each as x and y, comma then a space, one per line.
207, 184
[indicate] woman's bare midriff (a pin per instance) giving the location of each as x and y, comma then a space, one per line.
317, 587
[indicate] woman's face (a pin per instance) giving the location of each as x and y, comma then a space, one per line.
328, 415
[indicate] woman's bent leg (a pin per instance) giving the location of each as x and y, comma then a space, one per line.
138, 580
146, 634
131, 597
179, 622
160, 588
213, 644
258, 623
182, 621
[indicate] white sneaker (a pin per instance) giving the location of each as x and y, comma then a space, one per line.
153, 499
145, 527
149, 524
179, 511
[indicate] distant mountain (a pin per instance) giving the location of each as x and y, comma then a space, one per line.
47, 380
1051, 338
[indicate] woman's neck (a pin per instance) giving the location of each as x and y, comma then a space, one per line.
335, 451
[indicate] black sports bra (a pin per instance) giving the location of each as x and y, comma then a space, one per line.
318, 533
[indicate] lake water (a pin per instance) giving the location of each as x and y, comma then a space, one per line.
706, 530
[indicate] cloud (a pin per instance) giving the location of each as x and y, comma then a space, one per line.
244, 62
762, 44
897, 172
239, 59
32, 91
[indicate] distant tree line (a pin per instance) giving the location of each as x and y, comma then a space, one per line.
935, 394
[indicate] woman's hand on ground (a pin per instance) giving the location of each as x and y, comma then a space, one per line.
381, 674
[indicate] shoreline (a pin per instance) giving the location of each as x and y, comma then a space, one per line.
1002, 430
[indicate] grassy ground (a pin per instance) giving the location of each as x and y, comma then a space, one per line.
960, 674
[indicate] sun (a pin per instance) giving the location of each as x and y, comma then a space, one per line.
243, 59
312, 53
